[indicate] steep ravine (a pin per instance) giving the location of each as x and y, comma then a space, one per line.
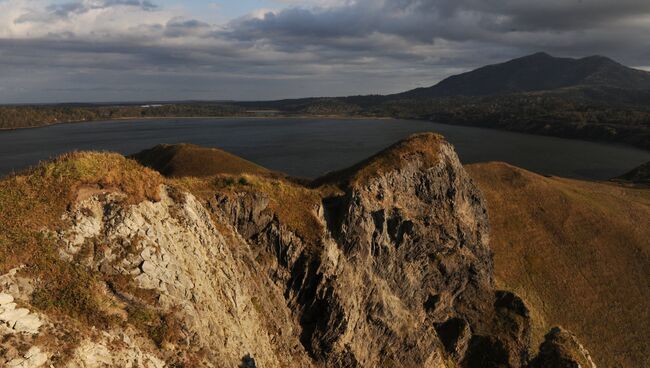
386, 264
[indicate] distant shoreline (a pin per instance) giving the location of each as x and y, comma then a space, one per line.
329, 117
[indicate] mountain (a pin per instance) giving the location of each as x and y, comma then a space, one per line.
106, 262
538, 72
577, 253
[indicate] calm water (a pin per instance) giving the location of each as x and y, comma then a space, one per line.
311, 147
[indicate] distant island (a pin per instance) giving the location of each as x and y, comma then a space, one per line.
592, 98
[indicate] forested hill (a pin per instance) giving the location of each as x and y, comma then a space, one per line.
14, 117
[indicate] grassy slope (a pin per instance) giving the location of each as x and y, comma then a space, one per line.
578, 252
181, 160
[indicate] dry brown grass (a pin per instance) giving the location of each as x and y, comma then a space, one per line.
181, 160
579, 253
162, 328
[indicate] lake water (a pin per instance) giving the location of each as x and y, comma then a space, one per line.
311, 147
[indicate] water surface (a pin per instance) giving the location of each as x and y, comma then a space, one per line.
311, 147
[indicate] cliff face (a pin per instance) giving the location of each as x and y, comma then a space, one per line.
387, 264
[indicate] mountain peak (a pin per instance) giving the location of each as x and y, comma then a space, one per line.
599, 58
538, 72
539, 55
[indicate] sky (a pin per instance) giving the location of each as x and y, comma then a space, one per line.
143, 50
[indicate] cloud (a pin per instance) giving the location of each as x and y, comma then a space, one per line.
428, 20
105, 49
63, 11
179, 27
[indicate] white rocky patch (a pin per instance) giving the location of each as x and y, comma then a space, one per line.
32, 359
15, 319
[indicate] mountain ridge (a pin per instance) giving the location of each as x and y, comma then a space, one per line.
536, 72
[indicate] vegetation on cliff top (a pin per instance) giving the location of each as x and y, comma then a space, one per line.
426, 145
204, 171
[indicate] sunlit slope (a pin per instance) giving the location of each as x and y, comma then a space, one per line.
578, 252
180, 160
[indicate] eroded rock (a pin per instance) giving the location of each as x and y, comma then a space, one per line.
396, 272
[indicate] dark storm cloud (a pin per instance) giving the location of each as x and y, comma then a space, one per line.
362, 46
464, 32
426, 20
559, 15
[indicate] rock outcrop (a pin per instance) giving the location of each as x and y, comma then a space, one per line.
386, 264
561, 349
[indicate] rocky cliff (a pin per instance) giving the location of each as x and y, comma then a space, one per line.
386, 264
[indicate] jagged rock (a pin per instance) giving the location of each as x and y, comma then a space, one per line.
387, 265
248, 210
7, 307
406, 250
17, 287
177, 253
561, 349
